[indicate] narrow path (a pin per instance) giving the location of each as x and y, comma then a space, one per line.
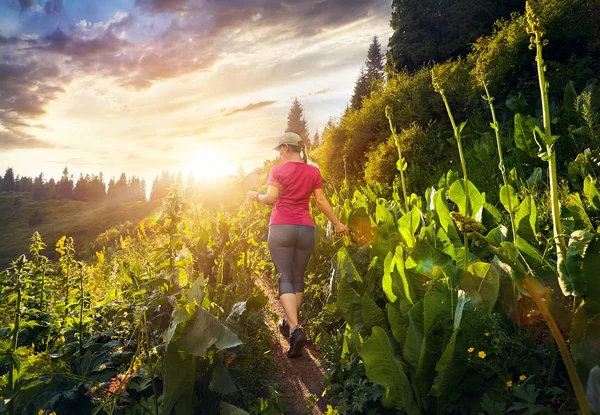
300, 379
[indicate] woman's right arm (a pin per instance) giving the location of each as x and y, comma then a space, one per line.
325, 207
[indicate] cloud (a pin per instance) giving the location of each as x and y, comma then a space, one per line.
249, 107
27, 4
161, 6
320, 92
11, 141
54, 7
25, 89
76, 47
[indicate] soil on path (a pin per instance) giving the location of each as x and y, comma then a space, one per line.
300, 379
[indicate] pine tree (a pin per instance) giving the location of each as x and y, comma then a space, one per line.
316, 140
374, 64
38, 192
8, 183
297, 123
361, 89
64, 188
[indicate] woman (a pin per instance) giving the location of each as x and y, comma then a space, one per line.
292, 230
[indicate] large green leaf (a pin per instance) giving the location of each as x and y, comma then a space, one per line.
398, 321
344, 267
481, 282
574, 205
585, 339
179, 377
414, 336
436, 313
508, 198
386, 240
205, 332
372, 315
350, 303
526, 219
444, 368
524, 135
591, 192
221, 381
445, 219
196, 291
401, 285
382, 214
384, 368
408, 225
457, 195
426, 259
448, 247
387, 279
570, 270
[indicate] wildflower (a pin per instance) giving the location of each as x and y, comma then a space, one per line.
486, 334
481, 354
509, 383
587, 150
522, 378
470, 349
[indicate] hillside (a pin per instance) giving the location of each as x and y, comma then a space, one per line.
81, 220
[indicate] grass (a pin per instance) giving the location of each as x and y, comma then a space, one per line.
81, 220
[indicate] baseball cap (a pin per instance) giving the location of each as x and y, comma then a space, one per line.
289, 138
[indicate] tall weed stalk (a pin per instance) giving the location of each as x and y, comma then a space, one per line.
536, 30
401, 165
457, 131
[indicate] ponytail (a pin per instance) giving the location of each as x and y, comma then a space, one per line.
303, 151
300, 148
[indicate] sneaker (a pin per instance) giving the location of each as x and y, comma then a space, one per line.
284, 328
297, 342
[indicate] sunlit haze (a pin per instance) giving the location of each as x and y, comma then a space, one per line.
142, 86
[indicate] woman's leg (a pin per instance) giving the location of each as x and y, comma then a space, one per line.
282, 245
304, 249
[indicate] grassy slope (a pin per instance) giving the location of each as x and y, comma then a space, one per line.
83, 221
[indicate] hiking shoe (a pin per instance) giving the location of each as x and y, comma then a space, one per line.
297, 342
284, 328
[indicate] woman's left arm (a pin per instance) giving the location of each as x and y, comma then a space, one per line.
268, 198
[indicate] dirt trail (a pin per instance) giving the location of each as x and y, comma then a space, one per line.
300, 379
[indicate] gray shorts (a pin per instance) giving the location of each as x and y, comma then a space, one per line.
291, 247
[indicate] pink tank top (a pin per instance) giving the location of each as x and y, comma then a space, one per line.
296, 182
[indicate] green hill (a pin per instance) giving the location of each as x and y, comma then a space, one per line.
20, 217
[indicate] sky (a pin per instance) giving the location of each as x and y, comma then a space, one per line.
197, 86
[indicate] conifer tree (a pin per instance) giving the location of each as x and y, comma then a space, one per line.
8, 183
374, 64
316, 140
361, 89
297, 123
64, 188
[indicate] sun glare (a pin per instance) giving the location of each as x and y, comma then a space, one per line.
207, 165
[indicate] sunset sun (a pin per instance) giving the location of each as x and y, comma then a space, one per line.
207, 165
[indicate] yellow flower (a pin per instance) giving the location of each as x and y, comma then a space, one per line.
470, 349
522, 378
486, 334
481, 354
509, 383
